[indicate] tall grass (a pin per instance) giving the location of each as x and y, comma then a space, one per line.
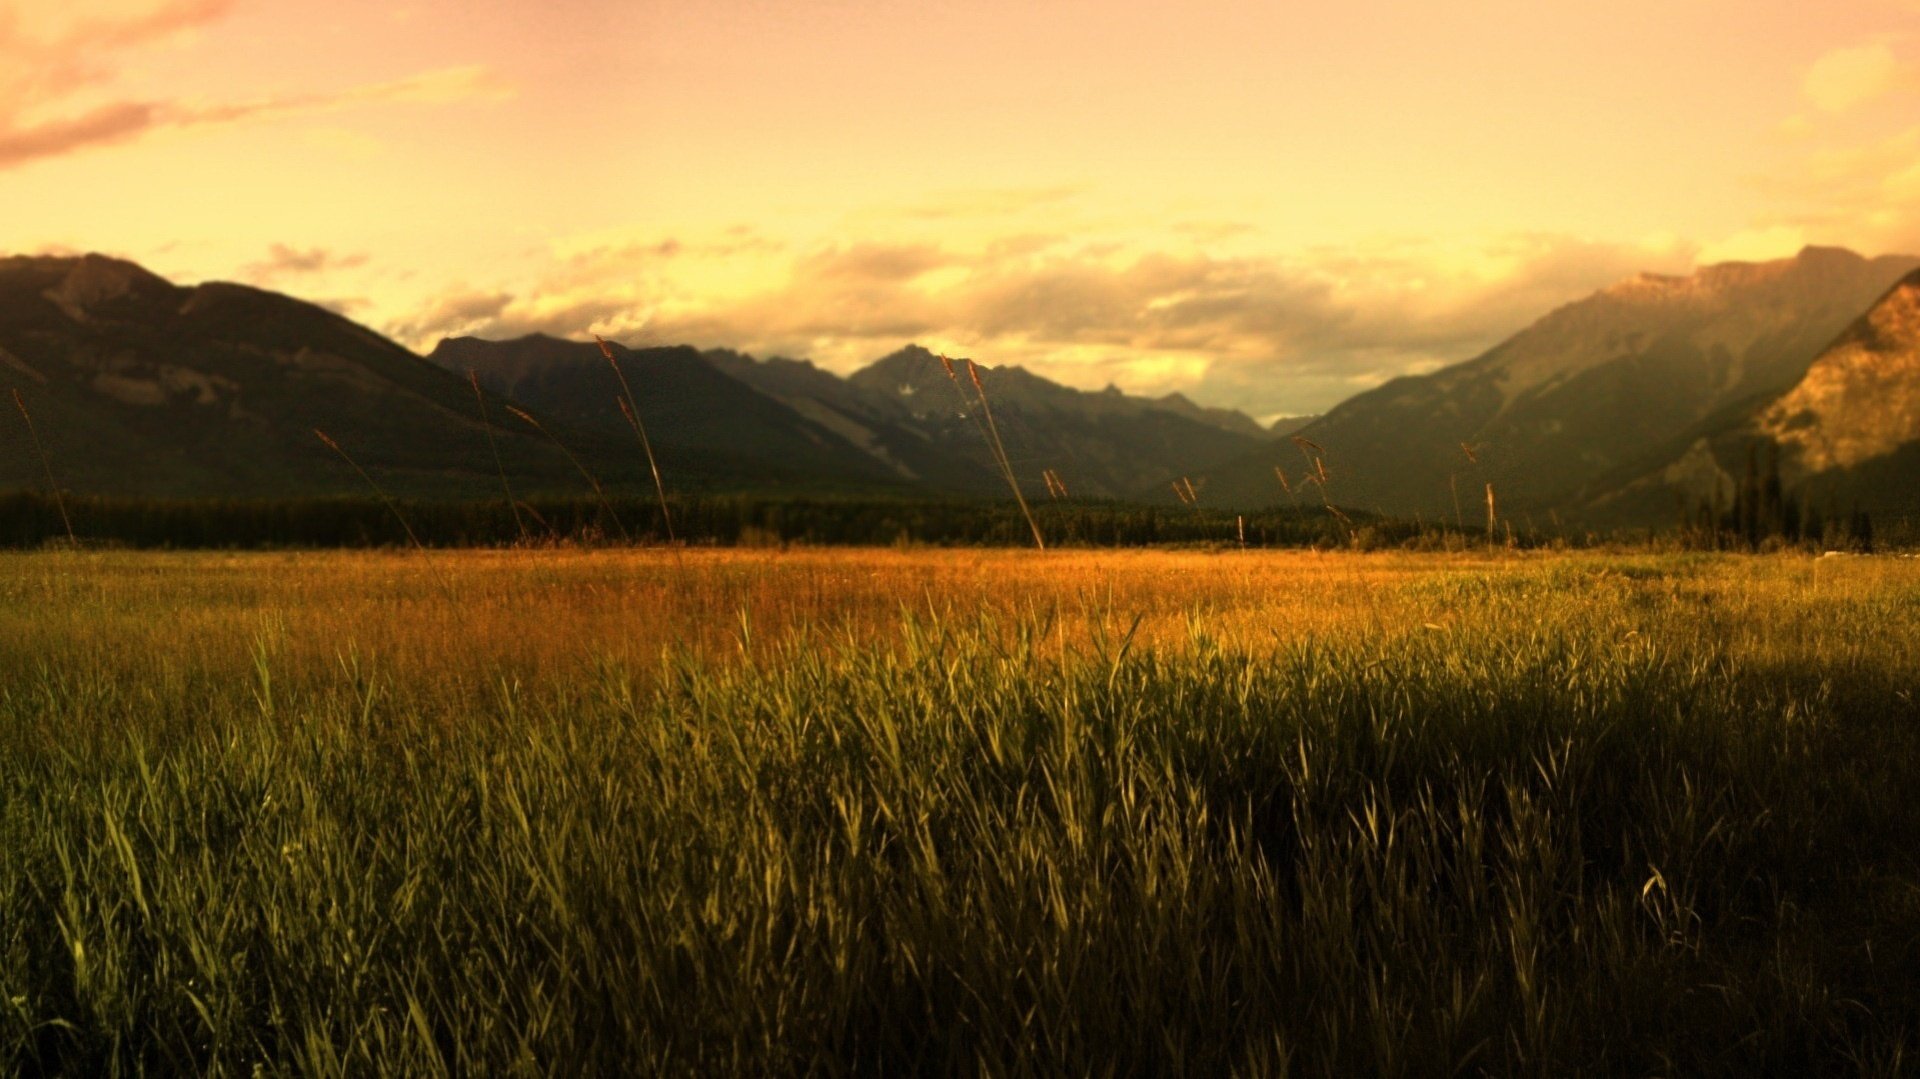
593, 481
379, 492
631, 411
493, 447
1567, 816
999, 448
46, 466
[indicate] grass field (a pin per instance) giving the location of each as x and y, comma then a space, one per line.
994, 812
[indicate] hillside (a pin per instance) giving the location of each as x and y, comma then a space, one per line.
1604, 385
141, 387
1105, 444
705, 426
1848, 431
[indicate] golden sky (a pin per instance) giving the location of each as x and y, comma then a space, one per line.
1266, 205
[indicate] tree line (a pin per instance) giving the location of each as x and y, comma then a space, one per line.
1762, 514
30, 520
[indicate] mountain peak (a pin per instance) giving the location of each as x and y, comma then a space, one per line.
1815, 253
91, 282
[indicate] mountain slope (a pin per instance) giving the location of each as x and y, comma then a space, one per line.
1848, 432
907, 412
878, 424
1101, 444
1861, 399
704, 425
141, 387
1591, 389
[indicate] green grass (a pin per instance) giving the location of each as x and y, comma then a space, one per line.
895, 813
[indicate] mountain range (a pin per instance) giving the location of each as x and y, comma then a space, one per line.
141, 387
1608, 410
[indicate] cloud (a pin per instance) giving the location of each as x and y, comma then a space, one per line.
458, 313
102, 126
1268, 334
500, 315
57, 62
1845, 79
284, 260
48, 51
1866, 194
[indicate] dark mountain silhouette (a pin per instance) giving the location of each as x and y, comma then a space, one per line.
1613, 408
1101, 444
906, 411
141, 387
706, 427
878, 423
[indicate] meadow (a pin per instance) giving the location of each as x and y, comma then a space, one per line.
894, 811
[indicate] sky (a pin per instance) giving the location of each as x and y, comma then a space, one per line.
1268, 206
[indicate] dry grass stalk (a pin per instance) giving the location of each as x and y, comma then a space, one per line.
486, 424
59, 500
1000, 450
392, 506
1491, 516
1317, 476
632, 412
592, 481
966, 408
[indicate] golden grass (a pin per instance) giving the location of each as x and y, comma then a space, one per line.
458, 623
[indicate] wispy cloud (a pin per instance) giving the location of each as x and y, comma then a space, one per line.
1848, 78
102, 126
49, 51
284, 260
55, 71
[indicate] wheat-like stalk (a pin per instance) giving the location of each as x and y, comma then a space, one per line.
59, 500
1287, 485
592, 481
486, 424
1316, 475
392, 506
1000, 452
966, 409
1491, 516
632, 412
